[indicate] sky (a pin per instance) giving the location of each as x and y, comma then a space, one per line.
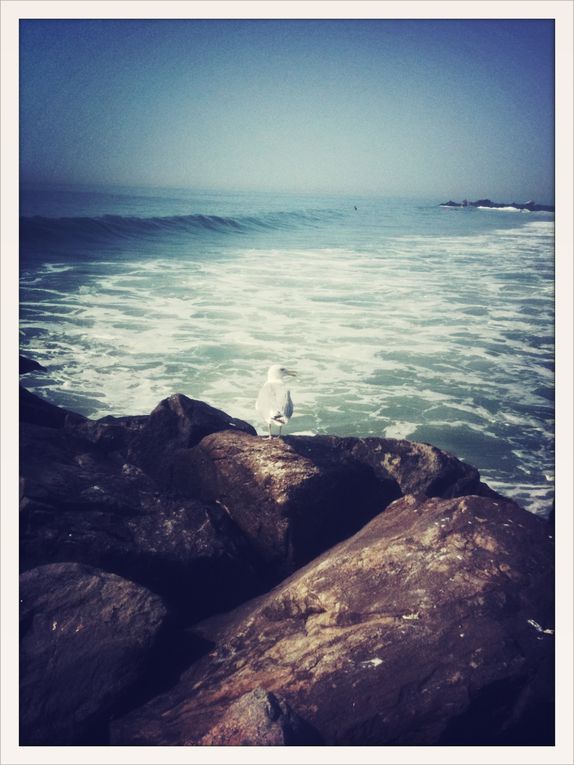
454, 108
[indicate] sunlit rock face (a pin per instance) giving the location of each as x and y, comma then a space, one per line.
431, 625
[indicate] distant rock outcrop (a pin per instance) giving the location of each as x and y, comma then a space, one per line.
418, 608
529, 206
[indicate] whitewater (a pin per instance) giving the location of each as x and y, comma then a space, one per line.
403, 319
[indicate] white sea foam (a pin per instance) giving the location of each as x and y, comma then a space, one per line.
509, 208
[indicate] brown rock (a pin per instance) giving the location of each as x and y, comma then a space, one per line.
418, 468
432, 625
260, 719
291, 498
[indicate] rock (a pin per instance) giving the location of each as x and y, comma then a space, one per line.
433, 625
530, 206
67, 472
29, 365
294, 497
37, 411
85, 639
188, 552
259, 718
291, 497
79, 504
177, 422
417, 468
110, 434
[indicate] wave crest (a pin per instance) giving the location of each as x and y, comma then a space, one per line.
39, 229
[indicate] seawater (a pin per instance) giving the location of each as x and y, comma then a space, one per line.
403, 319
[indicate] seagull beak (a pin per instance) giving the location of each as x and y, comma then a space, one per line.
291, 373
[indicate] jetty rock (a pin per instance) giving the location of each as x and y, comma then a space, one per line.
529, 206
29, 365
81, 502
318, 590
296, 496
86, 637
431, 625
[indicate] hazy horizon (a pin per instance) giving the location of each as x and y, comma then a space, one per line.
447, 109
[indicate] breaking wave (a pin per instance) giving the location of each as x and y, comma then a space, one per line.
110, 228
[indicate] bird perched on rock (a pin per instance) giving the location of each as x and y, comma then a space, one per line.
274, 404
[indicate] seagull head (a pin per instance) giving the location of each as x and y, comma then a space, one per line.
278, 373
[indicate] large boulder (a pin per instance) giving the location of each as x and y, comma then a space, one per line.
68, 472
292, 499
418, 468
177, 422
188, 552
79, 502
431, 625
86, 638
296, 496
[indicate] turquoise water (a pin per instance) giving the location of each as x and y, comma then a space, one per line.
402, 318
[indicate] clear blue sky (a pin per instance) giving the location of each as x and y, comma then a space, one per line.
453, 109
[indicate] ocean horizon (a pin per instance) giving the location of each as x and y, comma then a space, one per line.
403, 319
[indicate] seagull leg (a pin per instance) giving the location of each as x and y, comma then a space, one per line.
269, 426
280, 426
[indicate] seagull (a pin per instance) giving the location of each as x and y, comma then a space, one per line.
274, 404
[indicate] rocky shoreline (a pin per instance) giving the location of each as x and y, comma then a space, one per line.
529, 206
186, 582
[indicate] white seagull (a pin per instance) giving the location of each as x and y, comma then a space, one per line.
274, 404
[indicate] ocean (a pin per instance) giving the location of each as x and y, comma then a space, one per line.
403, 319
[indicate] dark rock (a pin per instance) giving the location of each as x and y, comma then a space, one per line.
190, 553
432, 625
417, 468
292, 498
69, 473
29, 365
37, 411
85, 639
79, 504
110, 434
260, 719
177, 423
295, 497
531, 206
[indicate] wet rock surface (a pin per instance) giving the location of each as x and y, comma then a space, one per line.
418, 608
